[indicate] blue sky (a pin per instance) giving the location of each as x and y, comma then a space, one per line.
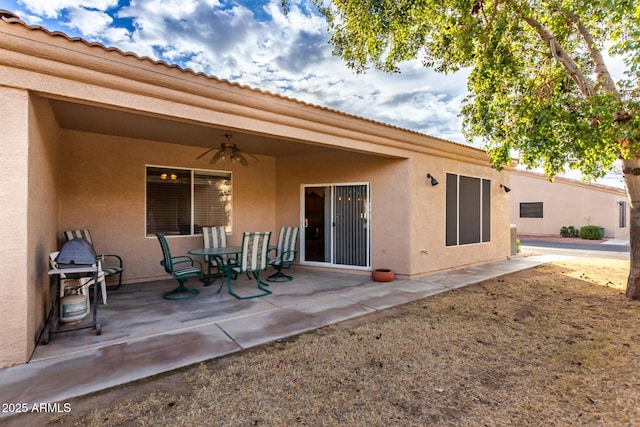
252, 42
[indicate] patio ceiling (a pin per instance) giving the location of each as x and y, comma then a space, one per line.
106, 121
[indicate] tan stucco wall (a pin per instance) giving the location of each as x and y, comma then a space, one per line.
407, 214
407, 217
44, 155
566, 202
429, 252
14, 264
389, 197
29, 213
103, 185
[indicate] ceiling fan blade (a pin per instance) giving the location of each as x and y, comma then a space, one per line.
216, 157
203, 154
242, 160
251, 155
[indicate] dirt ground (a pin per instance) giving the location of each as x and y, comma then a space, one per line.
555, 345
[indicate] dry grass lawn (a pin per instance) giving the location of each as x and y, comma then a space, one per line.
557, 345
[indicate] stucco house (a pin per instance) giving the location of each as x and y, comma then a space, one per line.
88, 132
540, 207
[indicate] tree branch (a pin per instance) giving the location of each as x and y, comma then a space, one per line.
601, 68
561, 56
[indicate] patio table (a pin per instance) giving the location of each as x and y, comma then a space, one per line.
217, 254
222, 250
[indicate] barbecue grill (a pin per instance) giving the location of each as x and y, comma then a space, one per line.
75, 260
76, 253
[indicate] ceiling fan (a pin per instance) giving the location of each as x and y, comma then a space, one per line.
227, 151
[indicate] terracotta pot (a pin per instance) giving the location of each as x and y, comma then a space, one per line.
383, 275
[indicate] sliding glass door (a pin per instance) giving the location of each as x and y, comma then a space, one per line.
336, 225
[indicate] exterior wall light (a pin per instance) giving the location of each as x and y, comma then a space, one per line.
433, 180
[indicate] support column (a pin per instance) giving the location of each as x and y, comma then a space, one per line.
14, 142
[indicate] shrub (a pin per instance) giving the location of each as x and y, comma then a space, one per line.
570, 231
591, 232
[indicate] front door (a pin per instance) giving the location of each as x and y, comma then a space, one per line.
336, 225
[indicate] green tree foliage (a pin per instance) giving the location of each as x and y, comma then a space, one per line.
539, 84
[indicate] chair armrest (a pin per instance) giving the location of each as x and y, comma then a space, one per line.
276, 255
182, 259
285, 254
117, 258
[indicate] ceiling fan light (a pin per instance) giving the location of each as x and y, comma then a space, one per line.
228, 151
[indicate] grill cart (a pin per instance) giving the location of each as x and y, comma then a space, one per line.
76, 260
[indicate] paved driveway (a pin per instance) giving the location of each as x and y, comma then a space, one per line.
608, 249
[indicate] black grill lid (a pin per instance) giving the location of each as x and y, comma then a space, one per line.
76, 253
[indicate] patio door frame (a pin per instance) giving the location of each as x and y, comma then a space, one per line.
332, 211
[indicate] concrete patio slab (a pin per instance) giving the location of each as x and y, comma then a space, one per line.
79, 373
420, 288
383, 296
292, 320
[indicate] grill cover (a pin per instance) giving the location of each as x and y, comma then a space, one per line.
76, 253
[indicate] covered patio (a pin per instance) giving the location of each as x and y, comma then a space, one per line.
144, 334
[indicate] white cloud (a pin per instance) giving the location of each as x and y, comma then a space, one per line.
89, 22
266, 49
53, 8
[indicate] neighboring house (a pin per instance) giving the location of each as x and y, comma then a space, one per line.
540, 207
89, 132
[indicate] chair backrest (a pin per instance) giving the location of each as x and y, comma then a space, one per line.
52, 259
287, 243
78, 234
254, 251
166, 253
54, 265
214, 237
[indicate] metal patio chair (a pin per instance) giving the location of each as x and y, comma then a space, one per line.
285, 254
253, 259
111, 264
180, 268
215, 237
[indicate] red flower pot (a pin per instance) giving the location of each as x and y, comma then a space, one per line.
383, 275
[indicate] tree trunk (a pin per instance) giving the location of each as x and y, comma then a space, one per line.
633, 283
631, 171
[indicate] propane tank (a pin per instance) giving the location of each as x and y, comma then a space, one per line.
74, 308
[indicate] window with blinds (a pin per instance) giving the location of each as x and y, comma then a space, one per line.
532, 210
211, 200
182, 201
468, 210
